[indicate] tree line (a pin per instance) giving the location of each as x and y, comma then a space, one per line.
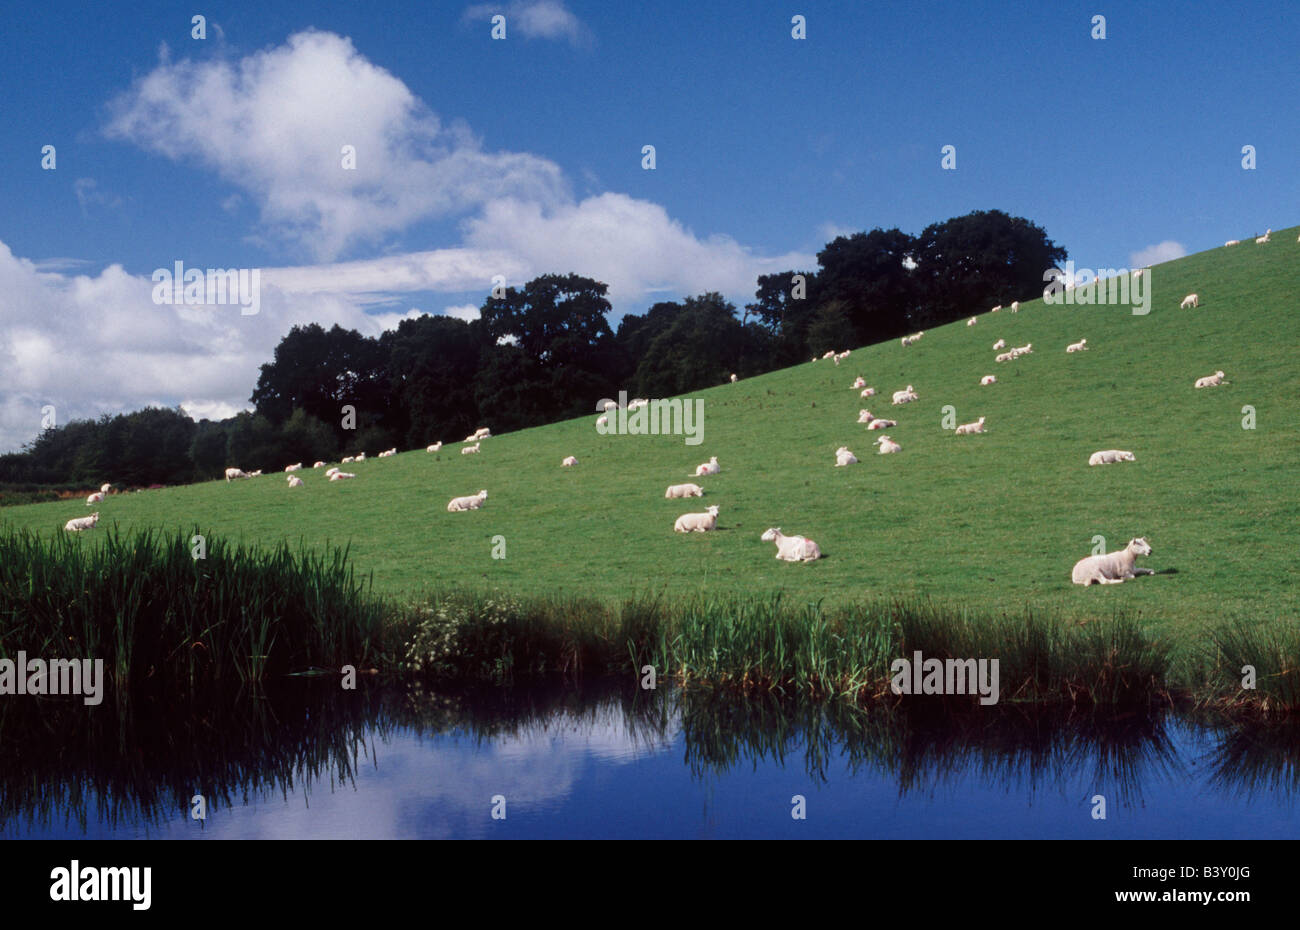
545, 352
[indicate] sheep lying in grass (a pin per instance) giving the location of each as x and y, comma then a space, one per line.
569, 461
697, 522
331, 472
295, 481
684, 490
868, 392
1005, 357
1026, 349
905, 397
972, 321
235, 473
473, 502
858, 382
96, 498
882, 424
1264, 238
387, 453
1233, 242
1080, 346
888, 445
1000, 344
708, 468
792, 548
1213, 380
253, 474
844, 457
829, 354
82, 523
434, 447
1191, 300
865, 416
988, 379
341, 476
296, 467
1110, 457
967, 428
1113, 567
470, 450
319, 465
347, 459
602, 421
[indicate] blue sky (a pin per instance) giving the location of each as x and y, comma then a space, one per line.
523, 156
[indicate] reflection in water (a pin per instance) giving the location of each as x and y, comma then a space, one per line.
415, 761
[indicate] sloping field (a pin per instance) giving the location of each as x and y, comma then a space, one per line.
991, 521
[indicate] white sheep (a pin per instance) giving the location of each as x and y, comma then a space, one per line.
1137, 273
434, 447
683, 490
610, 406
347, 459
235, 473
859, 382
254, 474
361, 456
967, 428
708, 468
483, 433
792, 548
105, 488
96, 498
569, 461
331, 472
1080, 346
697, 522
473, 502
1026, 349
865, 416
341, 476
882, 424
1233, 242
1113, 567
972, 321
733, 377
996, 309
868, 392
637, 403
905, 397
293, 467
470, 450
602, 421
1005, 357
1213, 380
1110, 457
82, 523
888, 445
829, 354
1015, 306
319, 465
988, 379
1000, 344
1264, 238
1191, 300
295, 481
844, 457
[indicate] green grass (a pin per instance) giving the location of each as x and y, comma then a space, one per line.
990, 524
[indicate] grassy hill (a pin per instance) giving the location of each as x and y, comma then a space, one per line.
992, 521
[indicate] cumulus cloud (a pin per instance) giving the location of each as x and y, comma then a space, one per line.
534, 19
275, 124
467, 312
1165, 251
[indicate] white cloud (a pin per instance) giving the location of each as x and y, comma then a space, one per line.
535, 19
1165, 251
467, 312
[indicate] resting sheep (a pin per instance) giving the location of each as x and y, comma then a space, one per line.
708, 468
988, 379
967, 428
905, 397
610, 406
888, 445
1005, 357
602, 421
482, 433
1000, 344
684, 490
697, 522
1264, 238
1233, 242
330, 472
882, 424
254, 474
1110, 457
297, 467
82, 523
295, 481
1113, 567
1213, 380
348, 458
96, 498
792, 548
868, 392
434, 447
844, 457
1191, 300
319, 465
859, 382
1026, 349
473, 502
1080, 346
569, 461
341, 476
470, 450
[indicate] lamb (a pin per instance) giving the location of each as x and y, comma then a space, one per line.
888, 445
844, 457
1025, 349
235, 473
972, 321
361, 456
1213, 380
341, 476
1264, 238
1000, 344
1138, 273
1113, 567
905, 397
388, 452
348, 458
96, 498
733, 377
483, 433
1110, 457
1005, 357
697, 522
1015, 306
82, 523
859, 382
254, 474
569, 461
610, 406
470, 450
988, 379
967, 428
1080, 346
295, 481
829, 354
792, 548
996, 309
868, 392
105, 488
882, 424
1191, 300
331, 472
473, 502
708, 468
602, 421
297, 467
865, 416
319, 465
636, 403
434, 447
1233, 242
683, 490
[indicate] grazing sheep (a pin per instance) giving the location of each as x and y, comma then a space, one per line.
1213, 380
82, 523
235, 473
988, 379
1005, 357
1113, 567
319, 465
905, 397
683, 490
1110, 457
1264, 238
888, 445
434, 447
1015, 306
972, 321
105, 488
569, 461
697, 522
859, 382
792, 548
297, 467
868, 392
470, 450
602, 421
733, 377
341, 476
1191, 300
1000, 344
708, 468
844, 457
473, 502
295, 481
96, 498
1080, 346
1233, 242
967, 428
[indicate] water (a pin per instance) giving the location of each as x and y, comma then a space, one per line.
311, 762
